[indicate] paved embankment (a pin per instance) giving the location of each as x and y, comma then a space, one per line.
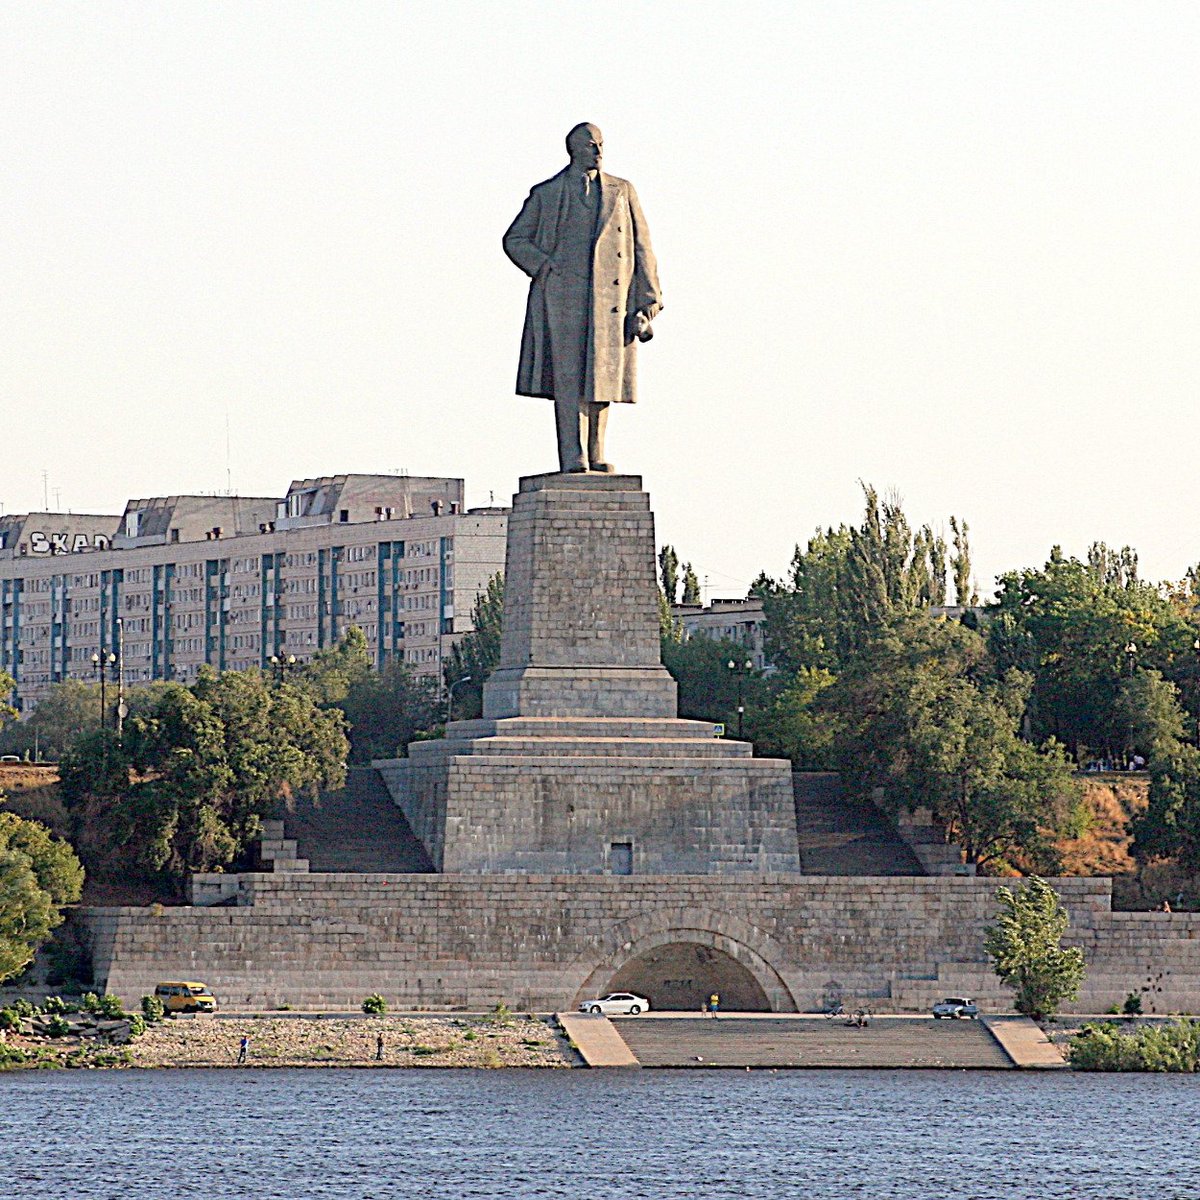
809, 1041
1026, 1043
304, 1040
598, 1043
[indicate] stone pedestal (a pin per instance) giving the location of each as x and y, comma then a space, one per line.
580, 764
581, 625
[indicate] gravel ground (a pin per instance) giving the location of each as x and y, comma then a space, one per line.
408, 1041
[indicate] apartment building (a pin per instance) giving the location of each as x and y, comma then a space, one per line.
739, 621
238, 582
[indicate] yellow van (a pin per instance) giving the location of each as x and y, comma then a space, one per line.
186, 997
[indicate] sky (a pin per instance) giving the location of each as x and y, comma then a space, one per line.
950, 250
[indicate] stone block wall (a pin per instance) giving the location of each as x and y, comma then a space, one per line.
544, 942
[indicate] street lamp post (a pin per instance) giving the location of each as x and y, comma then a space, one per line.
1196, 652
741, 670
101, 665
1130, 658
279, 665
121, 709
450, 696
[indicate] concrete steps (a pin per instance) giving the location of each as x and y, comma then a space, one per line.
776, 1041
840, 835
356, 829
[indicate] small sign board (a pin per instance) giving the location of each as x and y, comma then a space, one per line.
719, 729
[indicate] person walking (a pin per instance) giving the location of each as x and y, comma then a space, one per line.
243, 1049
714, 1005
379, 1047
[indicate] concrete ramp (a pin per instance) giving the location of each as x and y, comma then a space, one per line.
776, 1041
1026, 1044
598, 1043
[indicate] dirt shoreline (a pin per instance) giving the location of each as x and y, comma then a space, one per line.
483, 1041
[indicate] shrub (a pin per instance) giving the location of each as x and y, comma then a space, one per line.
58, 1027
11, 1056
23, 1008
1133, 1005
152, 1009
502, 1015
54, 1006
137, 1025
374, 1004
10, 1019
111, 1007
470, 1035
1103, 1046
90, 1002
1025, 946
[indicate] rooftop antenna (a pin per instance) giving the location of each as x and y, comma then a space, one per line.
57, 499
228, 457
45, 491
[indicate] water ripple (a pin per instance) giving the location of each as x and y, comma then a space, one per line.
386, 1135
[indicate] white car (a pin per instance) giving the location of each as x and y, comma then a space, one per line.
957, 1008
615, 1004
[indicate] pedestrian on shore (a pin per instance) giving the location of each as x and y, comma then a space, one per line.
379, 1047
243, 1049
714, 1005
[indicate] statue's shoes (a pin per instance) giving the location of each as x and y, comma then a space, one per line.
580, 469
603, 468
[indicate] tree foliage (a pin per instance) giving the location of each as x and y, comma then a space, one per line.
921, 715
38, 875
186, 788
1025, 946
1081, 628
668, 573
68, 709
477, 654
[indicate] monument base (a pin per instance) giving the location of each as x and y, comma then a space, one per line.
580, 764
558, 796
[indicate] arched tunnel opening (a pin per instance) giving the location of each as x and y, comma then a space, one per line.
680, 976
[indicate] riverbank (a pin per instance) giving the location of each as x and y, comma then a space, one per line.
350, 1041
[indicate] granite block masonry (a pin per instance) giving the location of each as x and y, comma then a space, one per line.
547, 942
580, 764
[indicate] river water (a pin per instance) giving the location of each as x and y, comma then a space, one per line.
591, 1135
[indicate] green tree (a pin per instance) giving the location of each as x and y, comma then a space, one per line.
1025, 946
920, 715
332, 672
1078, 628
708, 689
478, 653
847, 584
961, 563
668, 573
691, 586
1169, 827
791, 723
187, 786
68, 709
387, 709
1148, 705
38, 875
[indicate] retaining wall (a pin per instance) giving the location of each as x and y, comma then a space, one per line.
541, 942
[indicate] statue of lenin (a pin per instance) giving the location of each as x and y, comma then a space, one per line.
583, 241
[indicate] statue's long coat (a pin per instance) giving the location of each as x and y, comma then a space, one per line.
624, 281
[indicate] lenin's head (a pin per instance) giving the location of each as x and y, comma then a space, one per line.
585, 145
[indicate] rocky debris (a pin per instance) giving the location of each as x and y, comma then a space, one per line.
346, 1041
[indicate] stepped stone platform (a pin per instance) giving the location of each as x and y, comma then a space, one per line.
808, 1041
580, 764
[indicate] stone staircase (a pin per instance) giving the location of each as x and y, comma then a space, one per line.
356, 829
809, 1042
840, 835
